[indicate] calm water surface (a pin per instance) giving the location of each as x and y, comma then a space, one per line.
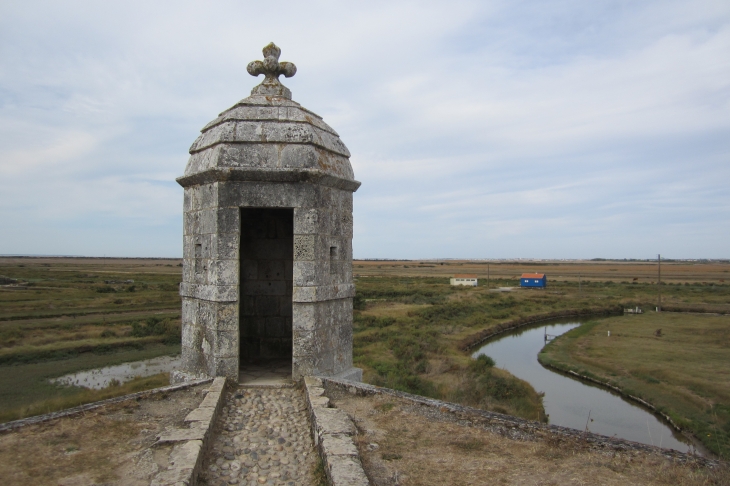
102, 377
568, 401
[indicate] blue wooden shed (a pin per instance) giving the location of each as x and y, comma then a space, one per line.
537, 280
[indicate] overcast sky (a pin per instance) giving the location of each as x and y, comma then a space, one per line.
479, 129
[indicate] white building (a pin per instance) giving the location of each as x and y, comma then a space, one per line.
467, 279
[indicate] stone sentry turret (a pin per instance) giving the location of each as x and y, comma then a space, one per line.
267, 269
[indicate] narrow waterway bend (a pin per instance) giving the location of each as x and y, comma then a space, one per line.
573, 403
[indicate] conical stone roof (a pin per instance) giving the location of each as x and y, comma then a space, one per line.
269, 137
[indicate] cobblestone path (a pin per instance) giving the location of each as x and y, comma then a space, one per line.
263, 437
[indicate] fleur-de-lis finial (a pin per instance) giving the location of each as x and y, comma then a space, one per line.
272, 69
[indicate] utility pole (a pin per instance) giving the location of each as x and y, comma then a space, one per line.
659, 281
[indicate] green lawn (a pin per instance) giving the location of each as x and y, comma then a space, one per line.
685, 372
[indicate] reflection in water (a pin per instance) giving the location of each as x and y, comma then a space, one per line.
102, 377
568, 402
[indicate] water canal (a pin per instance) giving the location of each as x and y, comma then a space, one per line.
568, 402
102, 377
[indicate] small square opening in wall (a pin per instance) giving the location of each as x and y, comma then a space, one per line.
198, 258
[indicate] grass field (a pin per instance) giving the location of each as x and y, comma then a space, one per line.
59, 315
683, 372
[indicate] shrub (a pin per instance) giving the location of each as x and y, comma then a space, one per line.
105, 289
482, 363
153, 326
358, 303
372, 321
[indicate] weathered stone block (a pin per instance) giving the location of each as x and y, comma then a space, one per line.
301, 366
304, 247
191, 223
227, 367
304, 347
304, 294
208, 196
200, 415
306, 221
228, 220
192, 335
227, 317
208, 221
333, 445
212, 293
226, 344
172, 436
224, 246
347, 471
187, 200
333, 421
256, 156
305, 273
303, 317
222, 272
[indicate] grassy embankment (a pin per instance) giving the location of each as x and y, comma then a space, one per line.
683, 372
67, 315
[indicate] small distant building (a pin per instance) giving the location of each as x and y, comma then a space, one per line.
537, 280
467, 279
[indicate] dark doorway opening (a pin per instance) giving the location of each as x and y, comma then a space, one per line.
267, 254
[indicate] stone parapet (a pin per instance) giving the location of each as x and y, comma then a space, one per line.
176, 385
190, 445
506, 425
333, 432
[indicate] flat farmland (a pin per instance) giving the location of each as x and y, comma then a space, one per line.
569, 271
62, 315
687, 285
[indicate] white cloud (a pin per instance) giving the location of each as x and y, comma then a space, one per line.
469, 121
